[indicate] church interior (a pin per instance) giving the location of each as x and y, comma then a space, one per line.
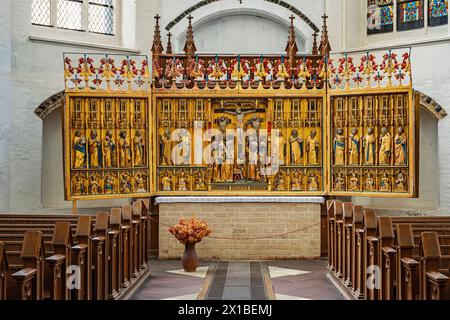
224, 150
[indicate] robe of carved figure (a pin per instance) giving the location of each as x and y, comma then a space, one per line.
138, 148
385, 185
339, 183
296, 147
369, 148
312, 147
313, 183
95, 150
166, 182
109, 147
400, 183
354, 148
400, 147
339, 147
184, 150
252, 158
109, 185
296, 182
79, 145
370, 183
125, 151
353, 184
385, 147
182, 182
280, 183
281, 149
166, 148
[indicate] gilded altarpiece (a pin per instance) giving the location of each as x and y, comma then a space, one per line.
240, 125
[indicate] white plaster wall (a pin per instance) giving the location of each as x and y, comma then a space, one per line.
212, 16
243, 34
5, 109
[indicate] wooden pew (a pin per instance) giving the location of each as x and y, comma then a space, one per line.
100, 255
3, 271
435, 282
82, 258
60, 261
331, 235
127, 245
115, 253
29, 279
136, 239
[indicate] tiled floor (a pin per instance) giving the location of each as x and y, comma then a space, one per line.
291, 280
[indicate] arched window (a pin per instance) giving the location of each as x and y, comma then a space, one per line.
94, 16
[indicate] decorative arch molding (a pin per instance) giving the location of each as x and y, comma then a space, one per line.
430, 105
50, 104
58, 99
281, 3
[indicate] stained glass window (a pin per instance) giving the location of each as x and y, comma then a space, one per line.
410, 14
437, 12
380, 16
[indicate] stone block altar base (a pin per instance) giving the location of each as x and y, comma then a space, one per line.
238, 220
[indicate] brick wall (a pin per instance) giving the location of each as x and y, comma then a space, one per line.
238, 220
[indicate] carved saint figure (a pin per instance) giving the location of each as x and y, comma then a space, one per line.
79, 145
400, 183
227, 165
166, 182
296, 147
296, 182
140, 183
279, 182
109, 147
94, 185
95, 150
370, 183
182, 182
78, 186
313, 182
400, 147
125, 184
339, 147
385, 146
354, 148
281, 149
385, 185
369, 147
339, 182
218, 155
199, 182
252, 150
165, 148
183, 152
353, 183
312, 148
109, 184
124, 150
138, 149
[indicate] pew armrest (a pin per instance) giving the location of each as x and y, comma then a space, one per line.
388, 251
55, 259
436, 285
79, 247
24, 274
409, 262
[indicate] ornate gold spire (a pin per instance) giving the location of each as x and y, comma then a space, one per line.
315, 48
189, 47
169, 44
157, 47
291, 47
325, 46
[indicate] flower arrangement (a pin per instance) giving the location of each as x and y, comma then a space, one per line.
190, 231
